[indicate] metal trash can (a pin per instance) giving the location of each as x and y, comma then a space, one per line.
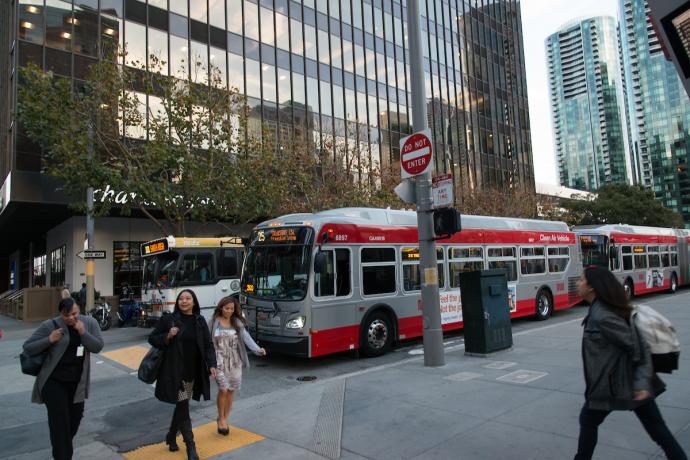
485, 311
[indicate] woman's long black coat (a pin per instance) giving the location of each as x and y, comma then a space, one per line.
170, 374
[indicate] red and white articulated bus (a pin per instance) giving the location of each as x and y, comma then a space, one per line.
644, 259
364, 292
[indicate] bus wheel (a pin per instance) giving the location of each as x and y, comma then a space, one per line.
376, 334
629, 290
674, 283
544, 305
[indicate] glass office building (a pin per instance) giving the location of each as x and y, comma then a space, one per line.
658, 108
329, 71
587, 105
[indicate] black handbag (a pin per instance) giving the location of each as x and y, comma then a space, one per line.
150, 365
32, 364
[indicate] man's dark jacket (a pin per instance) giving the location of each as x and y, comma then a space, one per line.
169, 379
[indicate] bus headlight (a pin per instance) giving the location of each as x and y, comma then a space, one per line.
297, 323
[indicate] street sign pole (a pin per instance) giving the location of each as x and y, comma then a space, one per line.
431, 307
90, 265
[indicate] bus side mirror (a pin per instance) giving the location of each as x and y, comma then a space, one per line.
324, 238
613, 252
320, 262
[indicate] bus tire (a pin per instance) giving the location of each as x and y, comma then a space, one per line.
674, 284
544, 304
629, 289
376, 334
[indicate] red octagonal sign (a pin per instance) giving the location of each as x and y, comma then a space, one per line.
415, 153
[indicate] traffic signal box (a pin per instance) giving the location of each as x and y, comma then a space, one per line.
485, 311
446, 222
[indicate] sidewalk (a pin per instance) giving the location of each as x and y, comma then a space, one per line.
519, 404
522, 404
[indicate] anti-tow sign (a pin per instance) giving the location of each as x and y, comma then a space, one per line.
415, 153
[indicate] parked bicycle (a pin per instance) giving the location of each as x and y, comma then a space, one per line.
101, 312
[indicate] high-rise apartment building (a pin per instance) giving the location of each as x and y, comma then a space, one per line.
658, 110
587, 106
328, 69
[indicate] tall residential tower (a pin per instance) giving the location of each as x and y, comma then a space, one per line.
658, 108
587, 104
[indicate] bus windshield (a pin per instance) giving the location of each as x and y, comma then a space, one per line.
277, 265
159, 270
594, 250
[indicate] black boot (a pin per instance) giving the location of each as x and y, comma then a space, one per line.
170, 437
188, 436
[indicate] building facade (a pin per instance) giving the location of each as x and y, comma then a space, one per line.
331, 71
587, 106
658, 110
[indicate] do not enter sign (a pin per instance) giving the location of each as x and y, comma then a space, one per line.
415, 153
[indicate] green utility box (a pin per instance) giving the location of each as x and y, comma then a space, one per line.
485, 311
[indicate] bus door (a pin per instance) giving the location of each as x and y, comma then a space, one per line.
228, 264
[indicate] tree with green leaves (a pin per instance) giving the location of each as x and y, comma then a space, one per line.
184, 149
621, 203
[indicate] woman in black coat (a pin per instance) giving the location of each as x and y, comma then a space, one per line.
617, 365
189, 358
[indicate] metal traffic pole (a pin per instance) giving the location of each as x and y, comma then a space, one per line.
90, 263
431, 307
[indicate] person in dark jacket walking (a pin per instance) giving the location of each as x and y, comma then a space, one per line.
189, 358
63, 382
617, 366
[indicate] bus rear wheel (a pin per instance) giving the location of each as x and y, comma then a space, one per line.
629, 289
376, 335
544, 305
674, 283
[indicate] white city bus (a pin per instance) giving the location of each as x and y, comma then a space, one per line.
365, 292
644, 259
208, 266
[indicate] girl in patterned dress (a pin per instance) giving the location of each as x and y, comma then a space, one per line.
230, 337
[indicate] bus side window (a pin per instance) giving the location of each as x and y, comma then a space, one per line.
627, 257
227, 263
324, 281
378, 271
343, 272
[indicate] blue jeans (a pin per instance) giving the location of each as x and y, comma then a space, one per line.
651, 420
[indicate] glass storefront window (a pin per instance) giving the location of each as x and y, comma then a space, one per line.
251, 20
324, 54
235, 16
179, 57
179, 7
216, 13
310, 41
236, 72
85, 23
218, 68
253, 78
127, 269
296, 36
282, 32
158, 47
313, 94
336, 52
326, 108
268, 74
199, 62
298, 88
284, 96
135, 45
58, 24
338, 104
267, 32
31, 20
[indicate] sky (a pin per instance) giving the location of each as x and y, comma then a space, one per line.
541, 18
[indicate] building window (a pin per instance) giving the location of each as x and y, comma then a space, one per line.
57, 266
39, 271
127, 268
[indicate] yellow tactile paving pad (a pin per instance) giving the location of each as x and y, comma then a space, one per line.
208, 444
128, 356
